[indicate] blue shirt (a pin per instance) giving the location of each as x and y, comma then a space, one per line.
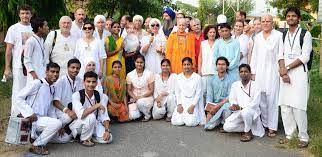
231, 50
218, 89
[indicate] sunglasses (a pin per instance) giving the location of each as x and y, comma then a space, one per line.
87, 28
157, 25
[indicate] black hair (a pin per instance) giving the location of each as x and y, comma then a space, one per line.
243, 13
90, 74
293, 9
37, 22
207, 29
225, 25
186, 59
116, 62
113, 23
139, 56
72, 61
52, 65
166, 60
87, 22
245, 66
127, 18
222, 59
25, 7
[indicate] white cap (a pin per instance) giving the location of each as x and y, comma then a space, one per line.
221, 19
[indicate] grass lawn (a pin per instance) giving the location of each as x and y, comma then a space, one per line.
314, 111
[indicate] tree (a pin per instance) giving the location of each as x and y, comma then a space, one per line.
48, 9
209, 9
187, 9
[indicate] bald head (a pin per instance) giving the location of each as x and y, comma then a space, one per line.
65, 24
181, 23
267, 22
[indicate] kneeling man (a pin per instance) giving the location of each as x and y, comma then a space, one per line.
244, 98
92, 118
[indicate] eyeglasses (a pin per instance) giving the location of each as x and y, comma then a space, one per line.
157, 25
87, 28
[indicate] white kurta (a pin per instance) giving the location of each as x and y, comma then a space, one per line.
243, 41
249, 117
76, 31
264, 64
35, 58
189, 92
17, 35
89, 126
296, 94
63, 50
85, 52
36, 98
152, 58
168, 102
208, 63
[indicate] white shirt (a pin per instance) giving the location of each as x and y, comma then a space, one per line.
76, 31
104, 35
89, 52
207, 64
161, 86
36, 98
188, 88
243, 41
66, 87
79, 108
264, 62
17, 35
34, 56
152, 58
63, 50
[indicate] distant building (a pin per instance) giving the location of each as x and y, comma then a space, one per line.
262, 7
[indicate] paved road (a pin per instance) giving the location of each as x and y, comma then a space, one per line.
160, 139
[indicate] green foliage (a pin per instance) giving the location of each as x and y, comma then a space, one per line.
209, 9
187, 9
281, 5
116, 8
51, 10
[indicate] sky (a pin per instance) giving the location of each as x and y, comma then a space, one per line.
192, 2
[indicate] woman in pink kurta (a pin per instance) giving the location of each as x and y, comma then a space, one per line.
140, 87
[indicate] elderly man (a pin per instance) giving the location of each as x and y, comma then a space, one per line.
60, 44
16, 37
168, 16
268, 44
78, 22
195, 26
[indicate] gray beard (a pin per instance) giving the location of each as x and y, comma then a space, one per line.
167, 25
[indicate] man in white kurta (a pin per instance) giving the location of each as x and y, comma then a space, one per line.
15, 39
164, 96
188, 92
92, 117
294, 89
61, 49
77, 24
35, 58
264, 64
65, 87
244, 98
34, 102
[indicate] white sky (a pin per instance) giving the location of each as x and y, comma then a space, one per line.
192, 2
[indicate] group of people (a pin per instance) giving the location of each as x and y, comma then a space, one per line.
72, 82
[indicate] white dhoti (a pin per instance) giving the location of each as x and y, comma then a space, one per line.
143, 105
244, 121
19, 82
269, 109
85, 127
168, 104
64, 119
294, 118
47, 129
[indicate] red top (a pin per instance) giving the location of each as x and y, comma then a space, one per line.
197, 46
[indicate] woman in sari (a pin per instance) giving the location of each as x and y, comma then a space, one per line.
115, 88
114, 49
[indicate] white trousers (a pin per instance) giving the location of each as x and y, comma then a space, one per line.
89, 128
167, 106
185, 118
239, 121
143, 105
294, 118
18, 82
269, 110
64, 119
47, 128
